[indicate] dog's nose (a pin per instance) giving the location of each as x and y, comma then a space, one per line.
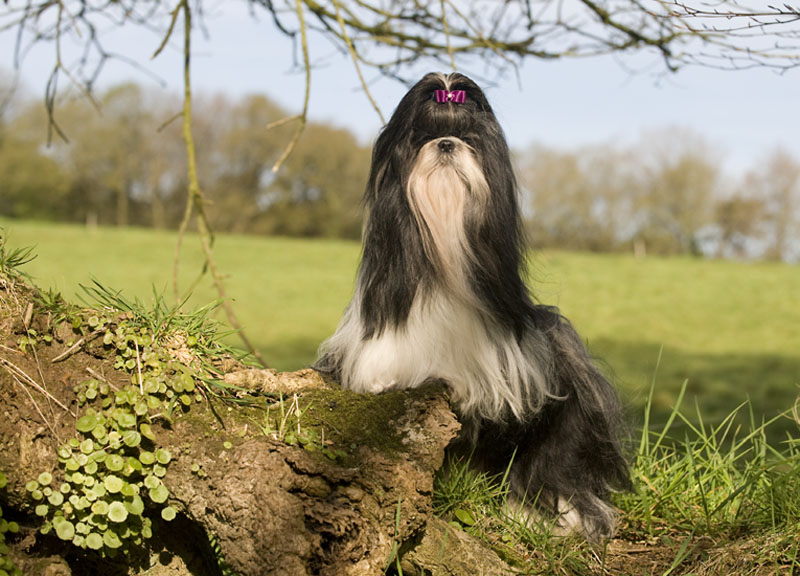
446, 146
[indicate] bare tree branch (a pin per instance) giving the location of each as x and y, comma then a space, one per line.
392, 36
195, 199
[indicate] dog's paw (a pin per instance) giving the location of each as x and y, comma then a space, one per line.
590, 517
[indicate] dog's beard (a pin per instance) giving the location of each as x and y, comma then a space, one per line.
447, 192
448, 332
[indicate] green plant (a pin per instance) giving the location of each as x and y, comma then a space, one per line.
464, 492
110, 477
287, 425
482, 505
394, 555
224, 567
7, 566
716, 480
723, 485
12, 260
109, 473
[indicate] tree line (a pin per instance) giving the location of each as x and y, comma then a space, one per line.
665, 194
125, 164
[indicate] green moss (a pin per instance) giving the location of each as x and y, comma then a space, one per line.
352, 420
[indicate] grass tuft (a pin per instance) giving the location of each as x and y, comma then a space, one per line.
718, 480
195, 330
481, 504
11, 260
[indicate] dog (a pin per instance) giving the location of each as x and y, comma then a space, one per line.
440, 295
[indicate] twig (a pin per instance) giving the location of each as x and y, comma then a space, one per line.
303, 117
139, 367
195, 197
489, 42
187, 213
354, 56
26, 320
446, 31
75, 347
101, 378
35, 405
173, 19
69, 351
282, 121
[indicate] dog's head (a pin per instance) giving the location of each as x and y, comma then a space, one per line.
442, 207
444, 116
440, 106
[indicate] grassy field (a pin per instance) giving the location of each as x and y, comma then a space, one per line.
706, 500
731, 329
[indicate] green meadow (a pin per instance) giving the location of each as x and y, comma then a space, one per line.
731, 329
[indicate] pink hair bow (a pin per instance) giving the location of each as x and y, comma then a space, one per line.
456, 96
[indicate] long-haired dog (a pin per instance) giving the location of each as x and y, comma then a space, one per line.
440, 294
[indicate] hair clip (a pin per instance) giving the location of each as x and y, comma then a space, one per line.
456, 96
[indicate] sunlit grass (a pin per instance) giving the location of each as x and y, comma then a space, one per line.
731, 329
708, 465
288, 294
695, 487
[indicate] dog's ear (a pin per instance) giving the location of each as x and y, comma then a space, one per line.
392, 156
389, 276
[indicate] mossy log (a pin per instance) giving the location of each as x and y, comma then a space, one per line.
288, 476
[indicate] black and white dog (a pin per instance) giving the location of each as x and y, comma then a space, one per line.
440, 294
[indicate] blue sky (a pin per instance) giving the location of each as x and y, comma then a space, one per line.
564, 104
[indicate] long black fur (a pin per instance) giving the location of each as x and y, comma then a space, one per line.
570, 449
566, 454
393, 257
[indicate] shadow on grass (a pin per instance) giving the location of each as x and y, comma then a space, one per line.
717, 384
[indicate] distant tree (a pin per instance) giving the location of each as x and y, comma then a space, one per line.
567, 206
110, 154
119, 166
679, 180
552, 178
608, 197
740, 221
776, 183
164, 189
319, 192
316, 194
611, 173
32, 185
127, 166
238, 172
